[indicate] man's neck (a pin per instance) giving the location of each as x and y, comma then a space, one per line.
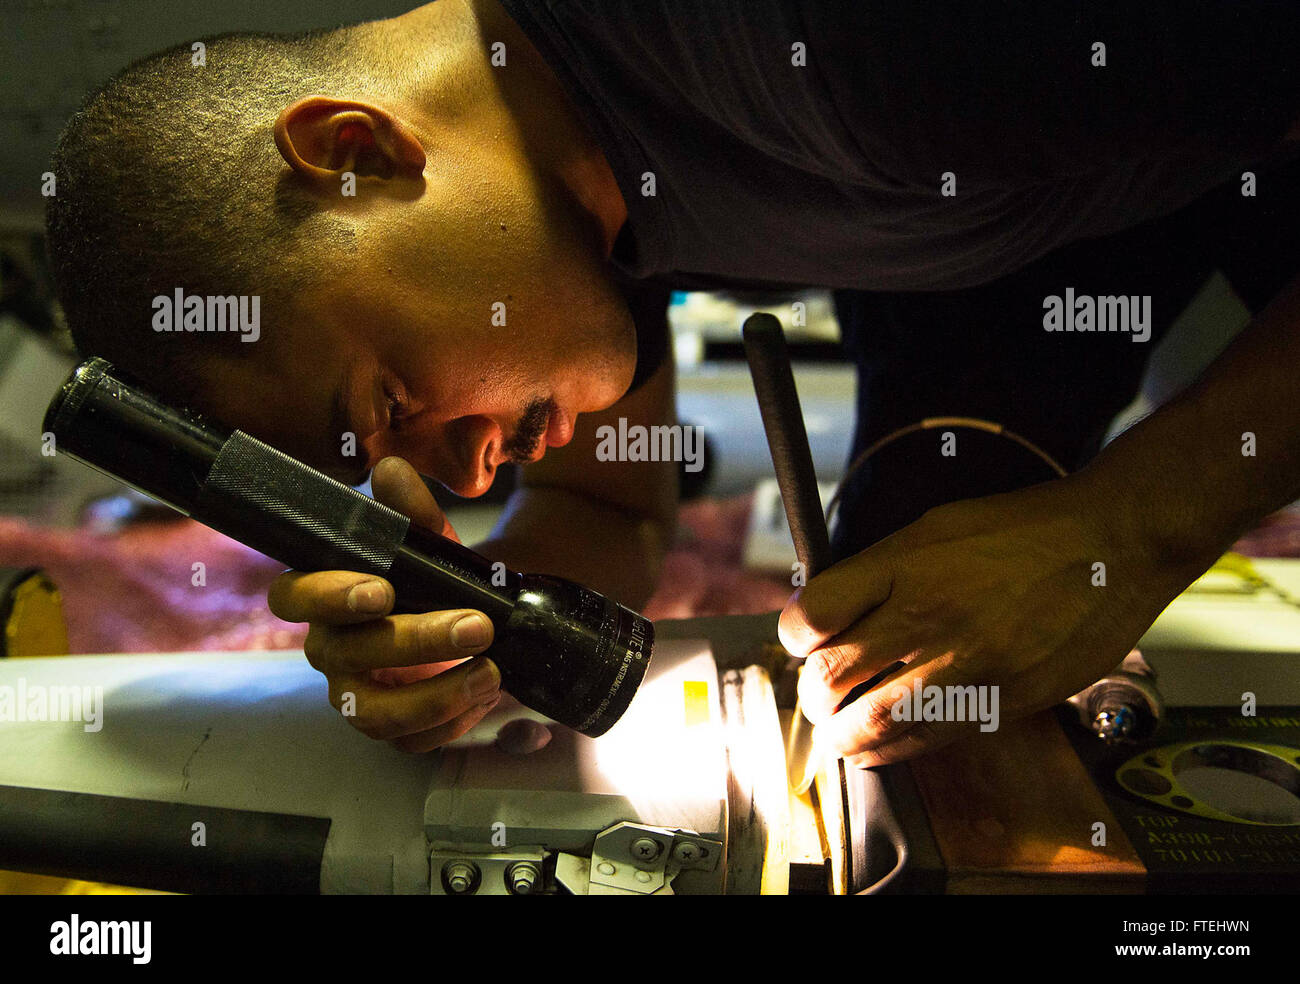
522, 96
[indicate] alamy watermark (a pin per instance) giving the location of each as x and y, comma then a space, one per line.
36, 702
1104, 313
951, 703
660, 442
102, 938
194, 312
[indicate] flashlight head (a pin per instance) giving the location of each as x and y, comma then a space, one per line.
573, 654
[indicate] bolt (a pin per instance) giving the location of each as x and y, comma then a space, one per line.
1114, 723
645, 849
522, 877
461, 877
688, 852
605, 868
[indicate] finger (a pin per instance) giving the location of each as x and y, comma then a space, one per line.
917, 740
387, 713
398, 640
925, 706
396, 676
329, 597
850, 660
834, 600
427, 741
1022, 694
399, 486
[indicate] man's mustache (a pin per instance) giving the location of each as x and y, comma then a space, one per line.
522, 445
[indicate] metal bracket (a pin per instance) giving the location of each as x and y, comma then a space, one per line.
518, 872
638, 859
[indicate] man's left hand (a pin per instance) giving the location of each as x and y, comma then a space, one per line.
998, 592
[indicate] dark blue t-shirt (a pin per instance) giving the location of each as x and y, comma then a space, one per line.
808, 143
776, 142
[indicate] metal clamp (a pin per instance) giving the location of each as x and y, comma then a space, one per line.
637, 859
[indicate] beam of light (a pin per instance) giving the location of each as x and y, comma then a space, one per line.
668, 747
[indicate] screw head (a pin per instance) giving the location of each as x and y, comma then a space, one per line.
645, 849
688, 852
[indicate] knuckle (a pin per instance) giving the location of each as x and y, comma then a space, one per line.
338, 692
429, 636
864, 726
357, 648
327, 649
375, 722
313, 647
277, 596
831, 665
795, 628
879, 710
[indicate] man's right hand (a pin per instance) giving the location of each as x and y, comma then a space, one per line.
404, 679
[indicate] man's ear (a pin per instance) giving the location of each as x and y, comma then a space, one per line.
321, 137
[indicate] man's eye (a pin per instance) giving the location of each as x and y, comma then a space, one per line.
396, 408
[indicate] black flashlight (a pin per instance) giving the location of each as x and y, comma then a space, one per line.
563, 650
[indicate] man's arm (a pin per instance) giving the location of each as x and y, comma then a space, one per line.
1197, 474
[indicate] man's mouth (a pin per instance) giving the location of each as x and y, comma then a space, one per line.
543, 424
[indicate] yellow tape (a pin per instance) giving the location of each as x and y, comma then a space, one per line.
696, 693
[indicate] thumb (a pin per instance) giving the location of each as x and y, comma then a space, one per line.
399, 486
835, 599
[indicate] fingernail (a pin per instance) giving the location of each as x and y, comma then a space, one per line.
368, 596
482, 679
470, 632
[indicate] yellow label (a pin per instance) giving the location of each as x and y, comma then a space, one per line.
696, 693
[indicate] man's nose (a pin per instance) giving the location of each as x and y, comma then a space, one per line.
462, 457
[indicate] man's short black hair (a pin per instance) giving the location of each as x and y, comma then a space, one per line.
168, 177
